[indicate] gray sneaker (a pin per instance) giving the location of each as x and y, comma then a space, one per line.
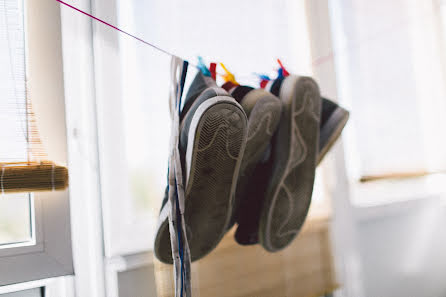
212, 142
293, 163
332, 121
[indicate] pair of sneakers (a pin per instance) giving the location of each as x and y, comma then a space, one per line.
249, 156
275, 204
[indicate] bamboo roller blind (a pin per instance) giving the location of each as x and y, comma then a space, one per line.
24, 164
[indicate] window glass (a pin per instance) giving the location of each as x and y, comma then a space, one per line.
390, 65
146, 124
15, 219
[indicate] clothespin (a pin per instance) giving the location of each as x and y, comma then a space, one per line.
213, 70
228, 76
202, 67
282, 71
264, 79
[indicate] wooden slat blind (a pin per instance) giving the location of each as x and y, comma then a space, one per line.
24, 165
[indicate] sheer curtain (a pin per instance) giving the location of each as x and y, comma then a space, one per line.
13, 107
15, 210
390, 64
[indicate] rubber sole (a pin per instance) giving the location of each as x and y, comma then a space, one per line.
216, 144
295, 147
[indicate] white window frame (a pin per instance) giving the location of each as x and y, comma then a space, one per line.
85, 191
91, 61
124, 232
51, 254
343, 226
116, 265
54, 287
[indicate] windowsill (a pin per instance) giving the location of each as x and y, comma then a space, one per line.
393, 196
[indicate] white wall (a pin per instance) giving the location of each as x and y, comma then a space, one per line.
404, 254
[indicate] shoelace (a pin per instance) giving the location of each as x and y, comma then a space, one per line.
177, 226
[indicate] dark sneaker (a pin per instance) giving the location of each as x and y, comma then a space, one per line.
284, 183
294, 155
212, 142
263, 111
333, 120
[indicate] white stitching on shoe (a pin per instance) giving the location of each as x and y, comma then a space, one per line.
266, 117
222, 126
297, 141
290, 213
213, 138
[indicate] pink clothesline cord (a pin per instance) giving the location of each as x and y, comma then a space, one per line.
316, 62
116, 28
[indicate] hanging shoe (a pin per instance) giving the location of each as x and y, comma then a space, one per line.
263, 110
212, 141
284, 183
294, 156
332, 121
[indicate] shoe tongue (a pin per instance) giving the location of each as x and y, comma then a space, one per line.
275, 88
199, 84
240, 92
328, 108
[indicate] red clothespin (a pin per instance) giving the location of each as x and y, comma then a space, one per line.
282, 70
263, 83
264, 79
213, 70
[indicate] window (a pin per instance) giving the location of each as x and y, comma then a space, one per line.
16, 220
390, 62
16, 214
35, 235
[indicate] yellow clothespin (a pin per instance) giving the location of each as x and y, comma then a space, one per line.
228, 76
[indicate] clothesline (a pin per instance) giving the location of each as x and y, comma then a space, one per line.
316, 62
144, 41
126, 33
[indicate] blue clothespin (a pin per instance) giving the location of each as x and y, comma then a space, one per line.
202, 67
264, 77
